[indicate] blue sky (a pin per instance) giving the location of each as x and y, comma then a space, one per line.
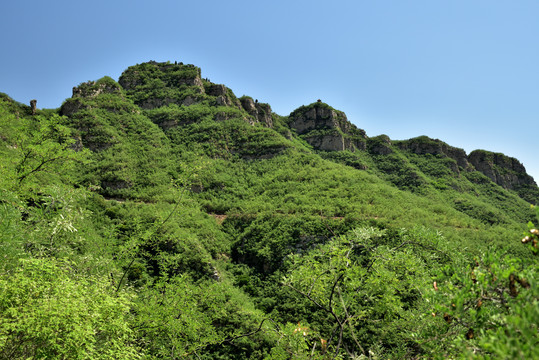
465, 72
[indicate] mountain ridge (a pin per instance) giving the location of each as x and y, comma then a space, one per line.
161, 85
155, 85
204, 225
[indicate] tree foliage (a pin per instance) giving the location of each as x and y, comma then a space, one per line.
155, 217
49, 311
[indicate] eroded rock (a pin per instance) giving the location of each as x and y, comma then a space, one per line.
423, 145
261, 112
33, 106
326, 128
505, 171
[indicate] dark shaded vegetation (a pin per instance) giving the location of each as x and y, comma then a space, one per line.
157, 217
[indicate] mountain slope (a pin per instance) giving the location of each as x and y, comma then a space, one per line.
180, 195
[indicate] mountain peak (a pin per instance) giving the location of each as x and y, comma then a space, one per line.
326, 128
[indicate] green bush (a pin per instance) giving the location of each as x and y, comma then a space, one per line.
48, 311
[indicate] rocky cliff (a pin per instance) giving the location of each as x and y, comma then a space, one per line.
173, 95
423, 145
89, 90
505, 171
154, 85
326, 128
380, 145
259, 111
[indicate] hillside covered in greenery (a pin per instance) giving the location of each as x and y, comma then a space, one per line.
162, 217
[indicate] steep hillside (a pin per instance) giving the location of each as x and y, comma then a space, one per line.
173, 219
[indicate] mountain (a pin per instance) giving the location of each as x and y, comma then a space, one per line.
175, 95
204, 225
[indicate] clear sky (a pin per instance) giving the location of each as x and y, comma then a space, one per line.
463, 71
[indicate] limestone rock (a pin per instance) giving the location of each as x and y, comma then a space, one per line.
330, 142
171, 75
249, 105
71, 106
33, 106
221, 116
152, 84
316, 117
88, 91
380, 145
326, 128
222, 101
92, 89
505, 171
153, 103
259, 111
264, 114
423, 145
188, 100
216, 90
459, 155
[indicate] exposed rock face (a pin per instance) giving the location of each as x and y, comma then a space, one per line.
380, 145
249, 105
423, 145
259, 111
92, 89
459, 155
89, 90
216, 90
33, 106
334, 142
188, 100
171, 75
223, 96
505, 171
330, 142
71, 106
326, 128
264, 114
154, 84
222, 101
316, 116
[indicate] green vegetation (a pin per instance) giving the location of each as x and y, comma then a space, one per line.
155, 217
48, 311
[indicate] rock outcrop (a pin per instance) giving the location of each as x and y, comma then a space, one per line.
259, 111
89, 90
379, 145
154, 84
33, 106
172, 75
221, 93
264, 114
423, 145
92, 89
505, 171
326, 128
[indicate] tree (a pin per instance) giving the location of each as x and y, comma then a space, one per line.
366, 289
40, 145
49, 311
489, 308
